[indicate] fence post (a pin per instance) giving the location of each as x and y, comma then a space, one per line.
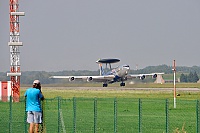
25, 117
115, 115
197, 115
95, 115
167, 115
10, 115
140, 115
43, 117
58, 114
74, 109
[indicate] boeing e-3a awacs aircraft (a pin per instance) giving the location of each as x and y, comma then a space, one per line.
118, 74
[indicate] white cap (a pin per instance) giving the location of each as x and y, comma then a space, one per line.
36, 82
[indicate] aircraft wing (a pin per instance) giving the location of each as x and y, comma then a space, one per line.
143, 76
86, 78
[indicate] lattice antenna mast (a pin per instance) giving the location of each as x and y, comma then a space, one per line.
14, 45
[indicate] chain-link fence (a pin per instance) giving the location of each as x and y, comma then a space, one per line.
105, 115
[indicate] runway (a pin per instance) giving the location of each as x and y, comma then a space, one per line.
123, 88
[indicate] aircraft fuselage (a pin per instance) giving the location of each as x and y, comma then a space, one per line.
120, 71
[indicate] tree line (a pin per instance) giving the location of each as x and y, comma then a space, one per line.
27, 77
191, 77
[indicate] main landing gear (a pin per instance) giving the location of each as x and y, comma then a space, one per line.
105, 85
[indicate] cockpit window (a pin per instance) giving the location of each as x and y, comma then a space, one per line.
126, 66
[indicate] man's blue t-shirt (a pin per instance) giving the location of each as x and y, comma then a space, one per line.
33, 96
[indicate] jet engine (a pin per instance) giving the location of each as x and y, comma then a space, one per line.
89, 79
71, 79
154, 76
142, 77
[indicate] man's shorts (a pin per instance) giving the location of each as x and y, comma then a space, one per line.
34, 117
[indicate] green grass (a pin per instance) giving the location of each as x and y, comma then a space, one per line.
153, 110
153, 115
51, 91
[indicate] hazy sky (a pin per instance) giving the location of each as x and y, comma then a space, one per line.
72, 34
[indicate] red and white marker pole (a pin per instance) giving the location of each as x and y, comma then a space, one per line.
174, 69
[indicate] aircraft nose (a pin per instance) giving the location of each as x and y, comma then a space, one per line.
128, 67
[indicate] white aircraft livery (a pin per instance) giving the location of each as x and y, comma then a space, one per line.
119, 74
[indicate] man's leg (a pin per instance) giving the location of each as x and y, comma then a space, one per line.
37, 120
36, 128
30, 121
31, 128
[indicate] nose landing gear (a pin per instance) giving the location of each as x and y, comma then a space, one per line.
122, 84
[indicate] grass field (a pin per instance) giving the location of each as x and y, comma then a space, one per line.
79, 112
128, 114
51, 91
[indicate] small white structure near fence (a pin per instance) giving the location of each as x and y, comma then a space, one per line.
5, 91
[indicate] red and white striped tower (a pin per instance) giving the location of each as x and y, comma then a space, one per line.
14, 45
174, 69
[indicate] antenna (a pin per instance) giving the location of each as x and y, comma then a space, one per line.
136, 66
14, 45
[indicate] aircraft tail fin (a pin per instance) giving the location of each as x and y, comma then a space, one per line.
101, 69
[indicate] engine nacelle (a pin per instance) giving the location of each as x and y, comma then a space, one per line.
142, 77
154, 76
89, 79
71, 79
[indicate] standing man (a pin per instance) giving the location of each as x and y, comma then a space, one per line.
33, 106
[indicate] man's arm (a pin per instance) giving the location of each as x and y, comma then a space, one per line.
25, 94
41, 96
